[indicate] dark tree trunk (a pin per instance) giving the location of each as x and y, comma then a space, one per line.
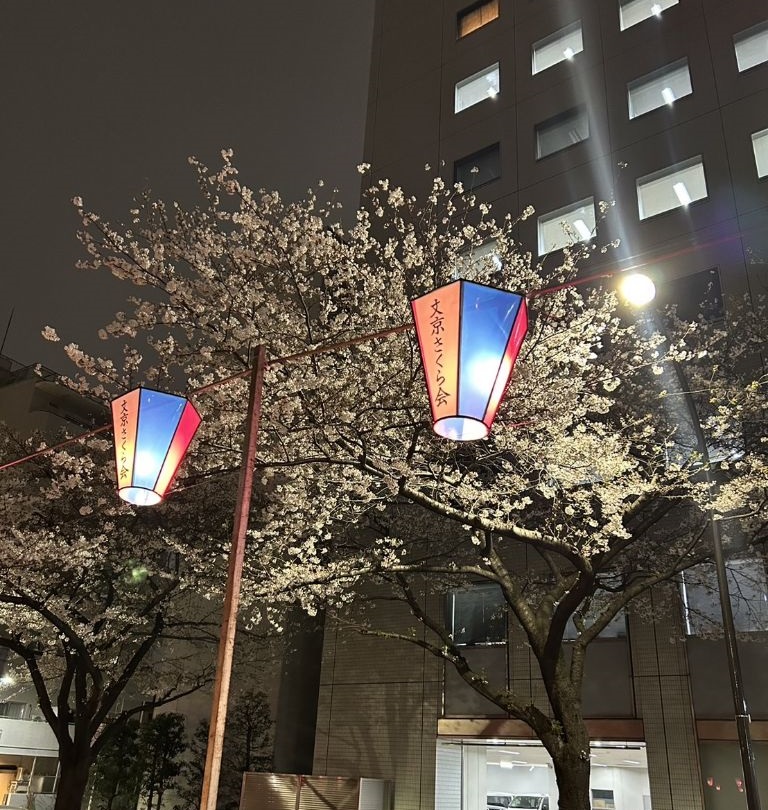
572, 772
73, 779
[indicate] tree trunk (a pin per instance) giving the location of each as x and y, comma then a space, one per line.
73, 780
572, 773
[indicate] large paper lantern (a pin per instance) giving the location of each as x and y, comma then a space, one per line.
152, 433
469, 337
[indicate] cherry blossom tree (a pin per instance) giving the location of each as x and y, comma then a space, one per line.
99, 605
586, 466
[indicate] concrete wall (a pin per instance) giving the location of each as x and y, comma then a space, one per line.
378, 706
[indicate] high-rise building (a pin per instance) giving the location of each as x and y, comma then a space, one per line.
661, 108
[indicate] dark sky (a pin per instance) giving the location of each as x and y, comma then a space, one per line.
103, 99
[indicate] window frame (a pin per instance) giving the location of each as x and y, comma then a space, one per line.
559, 215
713, 620
669, 172
492, 148
642, 82
762, 137
651, 13
561, 35
496, 634
753, 32
466, 12
484, 73
562, 117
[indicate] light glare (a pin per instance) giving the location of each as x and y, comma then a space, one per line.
681, 191
637, 289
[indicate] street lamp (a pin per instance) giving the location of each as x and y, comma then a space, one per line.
636, 289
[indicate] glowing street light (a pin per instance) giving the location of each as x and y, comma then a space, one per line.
636, 289
469, 336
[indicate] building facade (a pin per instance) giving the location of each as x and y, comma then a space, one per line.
661, 108
32, 402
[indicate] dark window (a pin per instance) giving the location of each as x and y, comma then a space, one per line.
697, 296
616, 628
479, 168
477, 614
561, 131
746, 586
476, 16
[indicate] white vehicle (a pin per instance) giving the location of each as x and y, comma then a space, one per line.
517, 801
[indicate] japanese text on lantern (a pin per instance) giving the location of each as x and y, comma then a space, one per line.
123, 439
438, 334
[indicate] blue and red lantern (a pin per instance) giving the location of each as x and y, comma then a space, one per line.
469, 337
152, 433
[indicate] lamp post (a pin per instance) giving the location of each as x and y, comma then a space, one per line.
220, 696
741, 713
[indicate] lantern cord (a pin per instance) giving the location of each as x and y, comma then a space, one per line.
322, 349
290, 358
568, 284
51, 448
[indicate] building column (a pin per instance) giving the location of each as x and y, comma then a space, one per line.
663, 698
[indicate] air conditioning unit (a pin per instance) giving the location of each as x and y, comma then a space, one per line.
286, 791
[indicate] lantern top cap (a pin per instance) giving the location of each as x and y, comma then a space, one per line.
474, 283
151, 390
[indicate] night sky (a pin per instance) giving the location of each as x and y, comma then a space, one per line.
104, 99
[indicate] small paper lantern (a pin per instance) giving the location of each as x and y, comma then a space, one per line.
469, 337
152, 433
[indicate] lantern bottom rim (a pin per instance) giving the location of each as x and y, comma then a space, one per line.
461, 428
139, 496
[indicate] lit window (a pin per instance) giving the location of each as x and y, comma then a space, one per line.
561, 131
674, 187
477, 614
476, 16
760, 148
477, 87
479, 259
662, 87
751, 46
558, 47
566, 226
747, 587
631, 12
479, 168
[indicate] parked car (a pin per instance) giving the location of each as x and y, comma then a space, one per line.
517, 801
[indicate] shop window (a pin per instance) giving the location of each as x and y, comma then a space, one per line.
662, 87
476, 16
751, 46
477, 614
561, 131
673, 187
749, 597
519, 775
566, 226
561, 46
479, 168
476, 88
632, 12
760, 148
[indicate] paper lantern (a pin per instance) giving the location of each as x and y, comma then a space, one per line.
152, 433
469, 337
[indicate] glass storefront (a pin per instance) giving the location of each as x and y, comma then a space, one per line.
518, 774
